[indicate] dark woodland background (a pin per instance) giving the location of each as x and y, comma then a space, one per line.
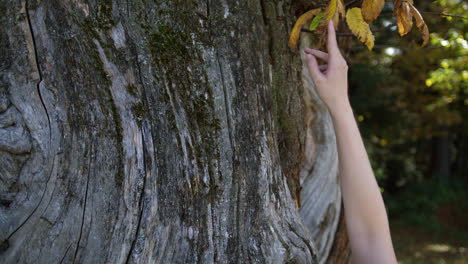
412, 108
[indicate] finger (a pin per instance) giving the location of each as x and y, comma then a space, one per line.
323, 67
314, 68
317, 53
332, 46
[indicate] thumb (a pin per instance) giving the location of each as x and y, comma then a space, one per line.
314, 68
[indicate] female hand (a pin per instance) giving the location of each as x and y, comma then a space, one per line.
331, 79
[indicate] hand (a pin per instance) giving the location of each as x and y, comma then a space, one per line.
331, 79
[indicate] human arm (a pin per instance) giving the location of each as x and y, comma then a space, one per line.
366, 218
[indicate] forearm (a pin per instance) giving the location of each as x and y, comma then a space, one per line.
365, 214
366, 219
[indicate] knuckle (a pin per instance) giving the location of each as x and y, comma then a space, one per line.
319, 80
343, 65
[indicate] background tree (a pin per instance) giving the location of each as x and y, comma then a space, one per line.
414, 125
411, 106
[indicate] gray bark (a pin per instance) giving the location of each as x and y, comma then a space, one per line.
161, 132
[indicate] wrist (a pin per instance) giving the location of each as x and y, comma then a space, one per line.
340, 108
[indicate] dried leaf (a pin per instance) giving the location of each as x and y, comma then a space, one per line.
396, 5
359, 27
405, 11
321, 17
341, 8
371, 9
404, 17
336, 19
340, 11
296, 31
421, 25
331, 9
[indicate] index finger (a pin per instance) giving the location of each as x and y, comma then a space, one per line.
332, 45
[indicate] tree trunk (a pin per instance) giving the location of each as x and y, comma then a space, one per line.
161, 132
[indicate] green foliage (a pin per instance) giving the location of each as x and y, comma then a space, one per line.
405, 96
405, 99
418, 204
450, 80
387, 139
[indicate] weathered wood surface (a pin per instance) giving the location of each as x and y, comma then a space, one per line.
321, 194
160, 131
341, 251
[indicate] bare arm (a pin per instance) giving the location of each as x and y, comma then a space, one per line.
366, 218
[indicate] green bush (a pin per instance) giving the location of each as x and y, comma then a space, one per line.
417, 203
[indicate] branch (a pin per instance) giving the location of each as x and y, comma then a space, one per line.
442, 14
349, 33
429, 13
385, 28
351, 2
337, 33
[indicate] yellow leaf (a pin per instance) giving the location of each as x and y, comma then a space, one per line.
421, 25
371, 9
336, 19
336, 6
404, 17
296, 31
359, 27
331, 9
340, 11
341, 8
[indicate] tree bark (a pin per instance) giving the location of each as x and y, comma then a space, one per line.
161, 132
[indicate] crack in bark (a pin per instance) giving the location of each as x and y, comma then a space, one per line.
141, 202
50, 200
128, 9
266, 23
48, 118
85, 202
36, 58
305, 240
66, 252
226, 101
238, 224
141, 199
280, 237
264, 16
46, 220
37, 206
215, 252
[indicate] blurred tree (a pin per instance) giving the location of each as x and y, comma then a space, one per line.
411, 101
